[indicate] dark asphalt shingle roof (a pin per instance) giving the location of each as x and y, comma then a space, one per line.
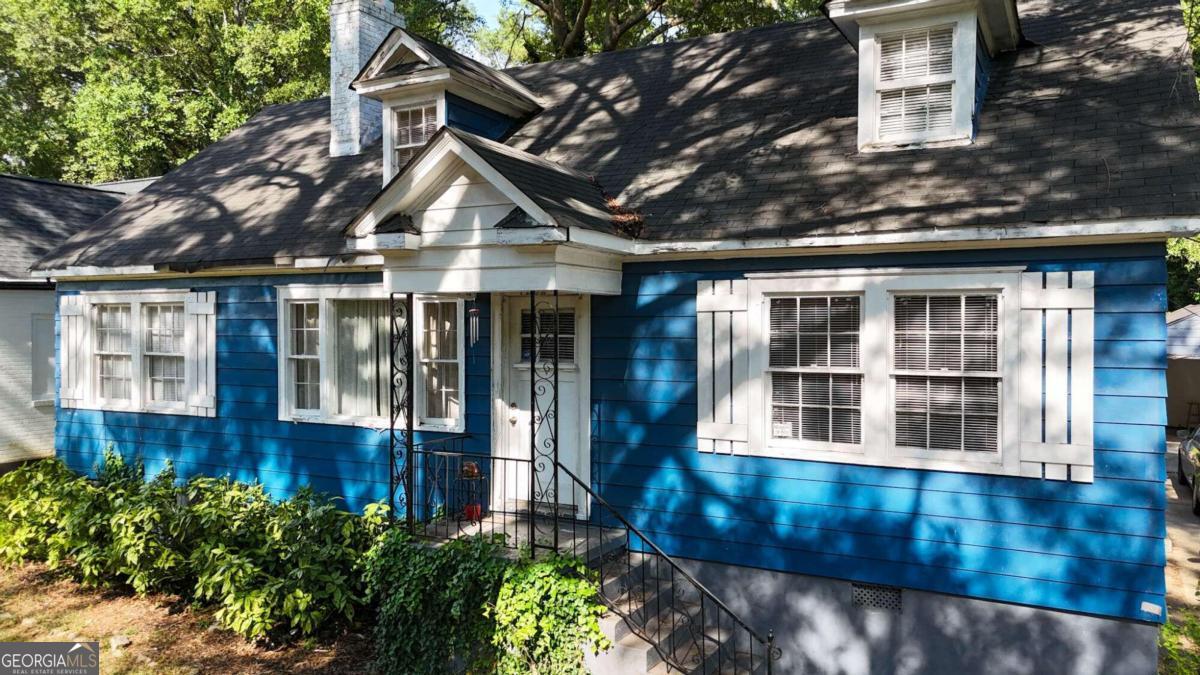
740, 135
570, 197
37, 215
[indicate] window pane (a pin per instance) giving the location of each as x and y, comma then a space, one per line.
306, 329
361, 347
441, 390
545, 330
164, 328
441, 331
306, 374
112, 328
165, 376
114, 377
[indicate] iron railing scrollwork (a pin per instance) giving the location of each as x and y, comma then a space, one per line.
401, 357
544, 348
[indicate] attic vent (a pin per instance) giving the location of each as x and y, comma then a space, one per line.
870, 596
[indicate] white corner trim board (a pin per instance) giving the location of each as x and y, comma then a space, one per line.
1040, 343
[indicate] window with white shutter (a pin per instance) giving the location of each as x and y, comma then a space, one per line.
151, 351
915, 83
903, 368
412, 128
815, 370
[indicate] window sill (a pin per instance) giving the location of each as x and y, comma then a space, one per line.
42, 403
857, 456
915, 143
145, 410
375, 423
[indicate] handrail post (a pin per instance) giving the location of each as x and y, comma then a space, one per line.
533, 355
554, 404
770, 651
410, 460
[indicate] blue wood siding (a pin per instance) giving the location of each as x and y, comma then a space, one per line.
1094, 548
474, 118
246, 440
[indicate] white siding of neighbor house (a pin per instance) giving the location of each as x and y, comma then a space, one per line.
26, 431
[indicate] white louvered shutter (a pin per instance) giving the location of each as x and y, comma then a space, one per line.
74, 350
200, 357
1056, 375
723, 366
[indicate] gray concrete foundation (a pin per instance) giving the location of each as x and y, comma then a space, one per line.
819, 629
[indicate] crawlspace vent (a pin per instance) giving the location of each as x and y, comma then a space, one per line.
887, 598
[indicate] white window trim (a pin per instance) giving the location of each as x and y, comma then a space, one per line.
41, 398
137, 395
326, 295
389, 124
877, 288
965, 24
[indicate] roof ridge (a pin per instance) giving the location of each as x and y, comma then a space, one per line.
60, 183
715, 37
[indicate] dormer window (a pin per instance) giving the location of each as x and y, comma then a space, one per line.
917, 81
915, 87
414, 127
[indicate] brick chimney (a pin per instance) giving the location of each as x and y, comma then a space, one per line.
356, 29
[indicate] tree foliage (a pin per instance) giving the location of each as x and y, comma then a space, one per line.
1183, 255
543, 30
125, 88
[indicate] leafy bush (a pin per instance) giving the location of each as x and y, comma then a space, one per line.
488, 614
432, 602
267, 565
270, 567
546, 612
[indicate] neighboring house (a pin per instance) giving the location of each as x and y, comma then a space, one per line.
35, 216
1183, 367
858, 319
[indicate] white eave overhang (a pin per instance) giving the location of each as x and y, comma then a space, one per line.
998, 19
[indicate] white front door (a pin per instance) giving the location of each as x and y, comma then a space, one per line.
573, 396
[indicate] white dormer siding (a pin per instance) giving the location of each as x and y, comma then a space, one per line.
356, 29
917, 80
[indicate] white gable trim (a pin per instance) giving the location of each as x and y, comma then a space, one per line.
409, 187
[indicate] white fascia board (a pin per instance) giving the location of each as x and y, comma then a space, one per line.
378, 89
1083, 232
399, 241
321, 262
89, 271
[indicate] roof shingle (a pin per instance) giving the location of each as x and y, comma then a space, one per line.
743, 135
37, 215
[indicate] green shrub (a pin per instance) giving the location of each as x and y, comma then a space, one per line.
546, 613
488, 614
433, 603
270, 567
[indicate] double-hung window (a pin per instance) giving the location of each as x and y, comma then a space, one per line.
892, 367
114, 354
915, 83
145, 351
163, 349
336, 367
814, 366
946, 372
413, 126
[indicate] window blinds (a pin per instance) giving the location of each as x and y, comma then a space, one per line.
909, 103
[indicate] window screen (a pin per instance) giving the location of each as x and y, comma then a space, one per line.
815, 369
946, 370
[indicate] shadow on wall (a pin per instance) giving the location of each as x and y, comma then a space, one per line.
819, 630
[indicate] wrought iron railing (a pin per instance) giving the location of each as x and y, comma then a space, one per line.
457, 493
687, 624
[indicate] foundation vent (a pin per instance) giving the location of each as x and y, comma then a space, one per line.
870, 596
